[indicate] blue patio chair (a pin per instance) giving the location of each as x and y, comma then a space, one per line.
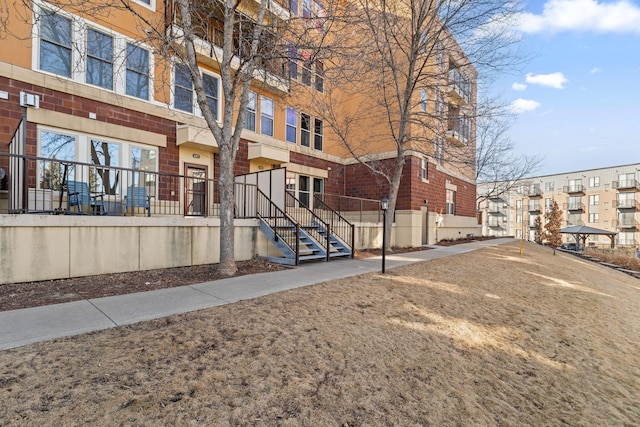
137, 198
79, 195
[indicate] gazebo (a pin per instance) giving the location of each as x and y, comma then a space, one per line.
582, 232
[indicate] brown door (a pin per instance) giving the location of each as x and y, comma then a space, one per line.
195, 190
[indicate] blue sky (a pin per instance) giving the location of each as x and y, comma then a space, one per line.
577, 101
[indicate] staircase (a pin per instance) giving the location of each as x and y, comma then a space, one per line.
299, 233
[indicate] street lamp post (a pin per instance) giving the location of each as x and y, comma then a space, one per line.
385, 206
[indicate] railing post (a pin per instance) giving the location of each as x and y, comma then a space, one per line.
328, 242
297, 238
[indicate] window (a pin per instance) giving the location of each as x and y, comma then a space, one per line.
594, 181
305, 130
594, 218
292, 125
211, 90
424, 169
451, 202
55, 43
250, 115
547, 204
548, 186
303, 190
293, 7
293, 62
99, 59
575, 185
266, 116
594, 199
137, 75
439, 55
423, 100
575, 202
424, 39
104, 154
305, 76
318, 134
56, 146
626, 180
438, 148
438, 104
183, 89
306, 8
319, 76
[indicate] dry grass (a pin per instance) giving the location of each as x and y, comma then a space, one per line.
625, 259
485, 338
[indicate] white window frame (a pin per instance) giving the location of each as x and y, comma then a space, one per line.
195, 108
424, 169
251, 110
264, 116
594, 181
423, 100
291, 126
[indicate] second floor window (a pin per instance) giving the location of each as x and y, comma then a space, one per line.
183, 89
306, 72
306, 8
137, 72
99, 59
250, 115
266, 116
292, 125
319, 76
594, 181
55, 43
211, 89
318, 134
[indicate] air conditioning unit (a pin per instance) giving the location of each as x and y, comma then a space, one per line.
29, 100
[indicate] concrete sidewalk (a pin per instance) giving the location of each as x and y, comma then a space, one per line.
29, 325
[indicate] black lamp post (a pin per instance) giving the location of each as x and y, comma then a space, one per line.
385, 206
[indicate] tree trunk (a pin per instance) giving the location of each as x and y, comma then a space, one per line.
227, 264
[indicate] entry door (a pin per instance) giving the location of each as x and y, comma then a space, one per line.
195, 190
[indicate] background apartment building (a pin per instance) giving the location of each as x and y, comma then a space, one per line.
605, 198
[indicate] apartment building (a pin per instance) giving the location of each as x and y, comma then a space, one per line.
90, 93
604, 198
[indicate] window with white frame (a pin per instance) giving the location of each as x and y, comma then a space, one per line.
548, 202
424, 42
306, 8
594, 217
291, 125
305, 76
182, 88
250, 115
594, 199
293, 7
424, 169
318, 134
439, 55
423, 99
319, 67
451, 202
305, 130
438, 103
594, 181
210, 84
293, 61
438, 149
266, 116
72, 47
548, 186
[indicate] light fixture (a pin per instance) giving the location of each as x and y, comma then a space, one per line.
385, 203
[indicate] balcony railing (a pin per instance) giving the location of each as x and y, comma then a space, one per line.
458, 130
627, 243
43, 185
626, 184
626, 204
571, 222
497, 225
534, 192
459, 87
534, 207
574, 206
573, 189
626, 223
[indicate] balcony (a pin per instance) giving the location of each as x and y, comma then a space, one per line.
458, 130
627, 184
573, 189
627, 243
534, 207
497, 225
574, 207
626, 223
458, 88
572, 222
627, 204
534, 192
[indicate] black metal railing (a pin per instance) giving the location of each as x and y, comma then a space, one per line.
284, 228
311, 223
355, 208
339, 226
68, 187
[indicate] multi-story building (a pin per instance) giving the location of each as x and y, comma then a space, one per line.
85, 97
605, 198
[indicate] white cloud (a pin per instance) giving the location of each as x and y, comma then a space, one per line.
520, 105
554, 80
518, 86
595, 70
621, 16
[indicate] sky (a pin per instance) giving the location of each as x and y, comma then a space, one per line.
577, 100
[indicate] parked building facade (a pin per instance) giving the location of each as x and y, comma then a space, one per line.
87, 91
604, 198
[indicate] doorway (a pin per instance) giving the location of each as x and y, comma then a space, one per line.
195, 190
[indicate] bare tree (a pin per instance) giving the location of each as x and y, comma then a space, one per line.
538, 233
396, 63
553, 225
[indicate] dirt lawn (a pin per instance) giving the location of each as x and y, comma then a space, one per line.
489, 337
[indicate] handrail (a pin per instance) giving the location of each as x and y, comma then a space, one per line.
306, 217
340, 227
351, 204
282, 225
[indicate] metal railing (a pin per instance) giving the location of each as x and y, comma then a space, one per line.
311, 223
575, 188
626, 204
353, 208
339, 226
459, 84
626, 183
44, 185
284, 228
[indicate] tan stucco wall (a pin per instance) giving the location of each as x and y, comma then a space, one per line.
41, 247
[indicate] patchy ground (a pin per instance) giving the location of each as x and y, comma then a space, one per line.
490, 337
33, 294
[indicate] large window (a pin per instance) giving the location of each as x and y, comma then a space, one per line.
250, 115
451, 202
293, 62
183, 89
99, 59
292, 125
266, 116
305, 130
211, 89
319, 76
318, 134
104, 179
55, 43
424, 169
293, 7
423, 100
305, 77
594, 181
137, 72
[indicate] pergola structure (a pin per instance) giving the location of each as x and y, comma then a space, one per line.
582, 232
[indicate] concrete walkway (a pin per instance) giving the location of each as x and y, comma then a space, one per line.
29, 325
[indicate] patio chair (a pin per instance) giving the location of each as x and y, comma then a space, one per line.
137, 198
79, 195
